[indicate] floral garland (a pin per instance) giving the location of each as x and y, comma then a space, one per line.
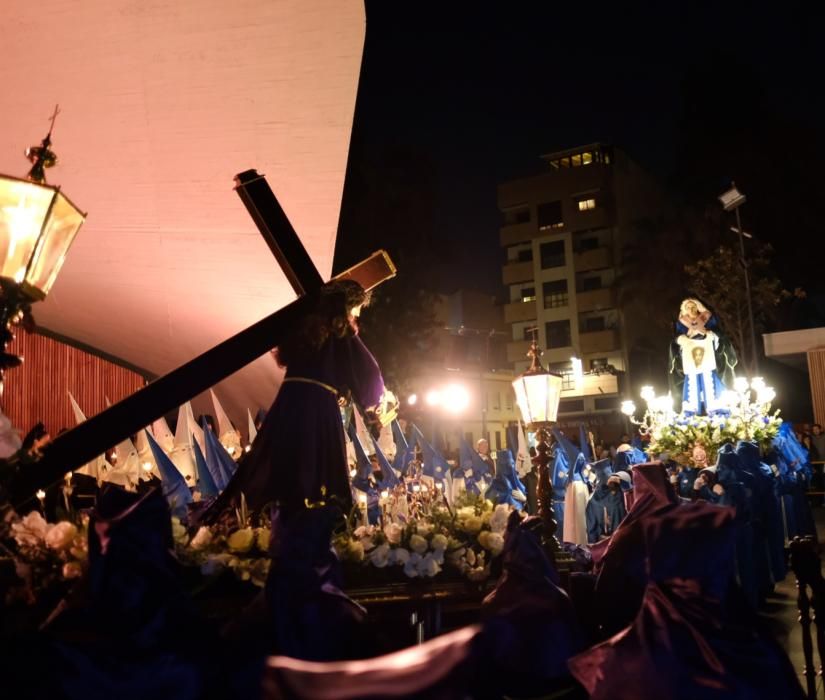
678, 437
464, 539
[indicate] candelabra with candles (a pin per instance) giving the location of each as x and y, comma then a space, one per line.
742, 413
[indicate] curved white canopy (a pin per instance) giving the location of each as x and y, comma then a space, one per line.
161, 104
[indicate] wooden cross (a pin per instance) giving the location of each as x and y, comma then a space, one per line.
83, 443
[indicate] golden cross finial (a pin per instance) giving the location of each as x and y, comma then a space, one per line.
53, 117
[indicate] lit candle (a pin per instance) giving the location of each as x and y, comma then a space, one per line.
41, 496
362, 501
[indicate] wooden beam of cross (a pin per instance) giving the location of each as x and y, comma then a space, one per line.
86, 441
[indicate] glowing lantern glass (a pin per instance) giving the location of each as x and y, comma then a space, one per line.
538, 391
38, 224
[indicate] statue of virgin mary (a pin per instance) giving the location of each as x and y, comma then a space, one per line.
702, 359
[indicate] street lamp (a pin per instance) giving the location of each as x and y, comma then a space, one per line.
38, 224
538, 392
731, 201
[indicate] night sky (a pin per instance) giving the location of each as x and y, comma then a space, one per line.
474, 95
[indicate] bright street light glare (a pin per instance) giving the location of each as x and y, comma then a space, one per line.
413, 399
456, 398
433, 397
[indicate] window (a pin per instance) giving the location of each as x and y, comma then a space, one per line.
549, 216
576, 160
496, 401
587, 244
598, 363
591, 283
525, 255
555, 294
594, 324
565, 369
498, 440
611, 404
587, 204
552, 254
571, 406
558, 334
528, 294
587, 158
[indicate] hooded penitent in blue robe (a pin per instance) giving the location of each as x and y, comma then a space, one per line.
732, 477
605, 508
683, 478
473, 468
506, 482
769, 541
794, 478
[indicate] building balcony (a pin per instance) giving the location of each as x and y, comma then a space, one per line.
515, 272
520, 311
596, 299
599, 341
517, 350
511, 234
603, 384
596, 259
584, 220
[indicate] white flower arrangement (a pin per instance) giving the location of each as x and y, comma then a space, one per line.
464, 539
46, 555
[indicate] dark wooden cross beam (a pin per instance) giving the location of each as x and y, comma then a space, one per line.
93, 437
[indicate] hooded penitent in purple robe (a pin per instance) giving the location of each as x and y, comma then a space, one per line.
688, 640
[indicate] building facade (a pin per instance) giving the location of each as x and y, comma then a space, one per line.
563, 234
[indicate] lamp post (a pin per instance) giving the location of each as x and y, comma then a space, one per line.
732, 200
38, 224
538, 392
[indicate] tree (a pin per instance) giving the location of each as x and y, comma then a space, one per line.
719, 280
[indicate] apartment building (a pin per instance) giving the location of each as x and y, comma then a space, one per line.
563, 233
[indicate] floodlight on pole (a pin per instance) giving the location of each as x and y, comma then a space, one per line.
732, 200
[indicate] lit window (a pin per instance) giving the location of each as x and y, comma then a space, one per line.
576, 160
565, 162
528, 294
586, 204
587, 158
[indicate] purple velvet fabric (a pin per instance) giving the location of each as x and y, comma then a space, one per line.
311, 617
300, 447
440, 669
130, 631
686, 643
620, 564
530, 627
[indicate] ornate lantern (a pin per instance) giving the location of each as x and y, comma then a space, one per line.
38, 224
